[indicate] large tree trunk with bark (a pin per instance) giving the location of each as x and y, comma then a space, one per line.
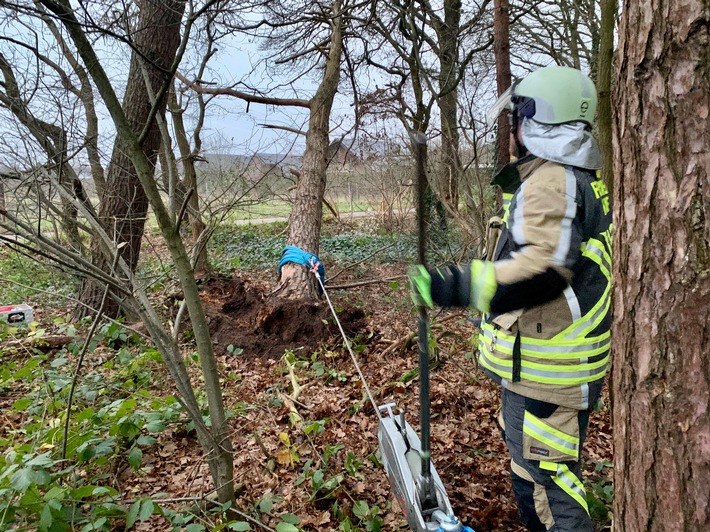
124, 205
501, 47
605, 63
451, 167
215, 439
661, 334
305, 220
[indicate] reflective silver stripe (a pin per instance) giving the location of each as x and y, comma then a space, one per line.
494, 366
590, 321
563, 246
565, 374
549, 436
500, 341
602, 254
518, 218
577, 331
573, 304
570, 480
535, 348
585, 396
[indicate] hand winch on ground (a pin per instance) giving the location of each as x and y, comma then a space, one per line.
402, 457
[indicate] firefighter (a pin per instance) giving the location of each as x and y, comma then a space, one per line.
544, 291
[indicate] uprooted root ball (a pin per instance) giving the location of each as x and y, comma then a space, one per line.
255, 324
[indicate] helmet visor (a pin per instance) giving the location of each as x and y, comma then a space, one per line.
504, 102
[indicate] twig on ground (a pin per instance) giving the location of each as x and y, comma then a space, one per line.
365, 283
401, 344
43, 343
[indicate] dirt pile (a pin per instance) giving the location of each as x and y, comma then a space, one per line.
244, 315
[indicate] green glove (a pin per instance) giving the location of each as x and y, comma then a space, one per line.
420, 284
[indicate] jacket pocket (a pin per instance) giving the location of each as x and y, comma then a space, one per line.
508, 321
505, 326
554, 438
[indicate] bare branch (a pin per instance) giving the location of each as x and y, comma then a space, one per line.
252, 98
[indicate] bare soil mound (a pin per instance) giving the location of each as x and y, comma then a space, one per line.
244, 315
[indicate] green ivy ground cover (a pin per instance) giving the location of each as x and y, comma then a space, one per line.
261, 246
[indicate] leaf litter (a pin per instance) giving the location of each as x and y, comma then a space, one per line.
322, 463
315, 473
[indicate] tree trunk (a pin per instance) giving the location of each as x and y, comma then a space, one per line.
215, 440
67, 179
661, 380
451, 167
501, 48
189, 182
124, 205
2, 198
605, 62
305, 220
53, 140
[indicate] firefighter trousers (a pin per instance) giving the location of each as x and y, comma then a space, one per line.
545, 443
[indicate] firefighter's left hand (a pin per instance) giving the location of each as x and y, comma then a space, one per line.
420, 286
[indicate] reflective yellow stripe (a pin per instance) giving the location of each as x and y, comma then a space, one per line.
548, 466
541, 344
596, 250
571, 485
569, 377
537, 367
565, 349
538, 429
608, 237
507, 198
567, 481
544, 373
566, 368
504, 370
591, 320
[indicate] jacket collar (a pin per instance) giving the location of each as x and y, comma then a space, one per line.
510, 176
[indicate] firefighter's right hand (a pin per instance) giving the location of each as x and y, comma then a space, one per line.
420, 286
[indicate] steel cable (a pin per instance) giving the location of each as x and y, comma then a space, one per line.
314, 270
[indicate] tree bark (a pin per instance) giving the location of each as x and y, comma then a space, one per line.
124, 205
661, 375
451, 167
305, 220
605, 62
501, 48
215, 441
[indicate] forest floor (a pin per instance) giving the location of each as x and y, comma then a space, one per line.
303, 429
281, 439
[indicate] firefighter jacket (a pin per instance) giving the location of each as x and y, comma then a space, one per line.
545, 285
